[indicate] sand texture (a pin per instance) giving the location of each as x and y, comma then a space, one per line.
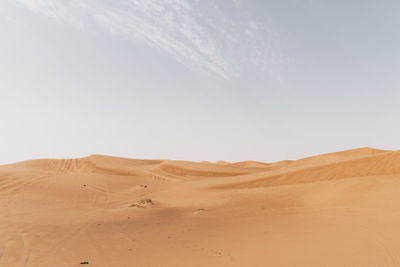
338, 209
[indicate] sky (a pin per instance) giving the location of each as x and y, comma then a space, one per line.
197, 80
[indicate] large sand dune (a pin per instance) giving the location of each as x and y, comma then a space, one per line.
338, 209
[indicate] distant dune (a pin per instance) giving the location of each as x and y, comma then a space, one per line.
337, 209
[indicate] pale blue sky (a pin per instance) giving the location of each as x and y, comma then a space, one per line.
197, 80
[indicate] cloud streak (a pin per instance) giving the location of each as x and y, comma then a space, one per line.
199, 34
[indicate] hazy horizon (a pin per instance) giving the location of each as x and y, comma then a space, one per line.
197, 80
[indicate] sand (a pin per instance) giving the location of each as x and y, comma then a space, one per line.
338, 209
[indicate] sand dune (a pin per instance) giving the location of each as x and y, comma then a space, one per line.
337, 209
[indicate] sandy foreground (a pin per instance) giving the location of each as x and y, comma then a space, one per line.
339, 209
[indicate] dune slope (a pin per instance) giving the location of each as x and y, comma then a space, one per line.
337, 209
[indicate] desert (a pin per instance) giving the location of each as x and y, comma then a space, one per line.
337, 209
181, 133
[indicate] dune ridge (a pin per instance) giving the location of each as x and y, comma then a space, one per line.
336, 209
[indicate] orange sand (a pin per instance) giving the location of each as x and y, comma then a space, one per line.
339, 209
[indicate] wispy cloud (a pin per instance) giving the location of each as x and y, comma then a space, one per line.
200, 34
